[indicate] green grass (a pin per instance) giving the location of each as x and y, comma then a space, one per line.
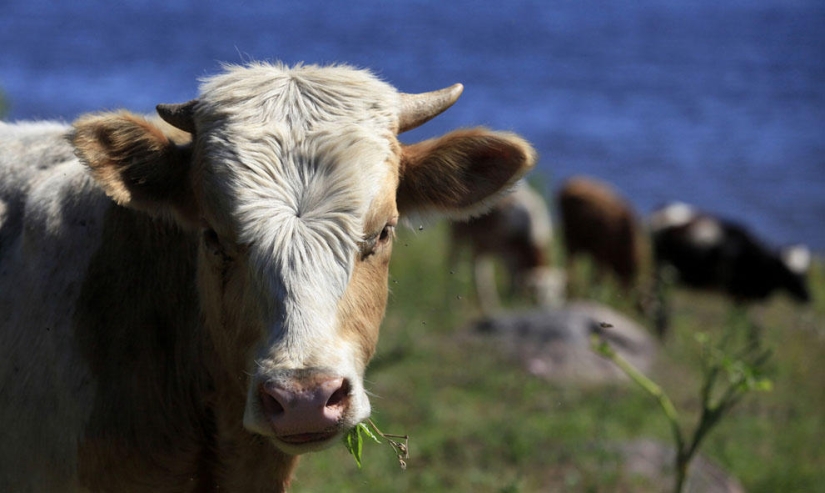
478, 422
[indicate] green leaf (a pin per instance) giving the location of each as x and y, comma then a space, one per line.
354, 441
354, 444
763, 385
365, 429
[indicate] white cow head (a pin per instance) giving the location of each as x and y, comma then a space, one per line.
296, 181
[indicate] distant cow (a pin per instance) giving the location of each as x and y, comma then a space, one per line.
597, 221
708, 252
713, 253
518, 232
190, 316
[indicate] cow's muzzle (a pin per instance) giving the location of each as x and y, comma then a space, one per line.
305, 413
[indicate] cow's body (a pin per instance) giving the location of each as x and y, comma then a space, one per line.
598, 222
517, 231
192, 316
711, 253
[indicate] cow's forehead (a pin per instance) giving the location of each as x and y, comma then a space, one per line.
301, 98
264, 127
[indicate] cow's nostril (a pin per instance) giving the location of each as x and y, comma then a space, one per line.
339, 395
270, 403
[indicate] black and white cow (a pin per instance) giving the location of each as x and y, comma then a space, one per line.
712, 253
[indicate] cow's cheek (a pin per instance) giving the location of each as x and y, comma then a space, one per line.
232, 316
364, 303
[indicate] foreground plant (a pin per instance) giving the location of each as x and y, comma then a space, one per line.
354, 441
738, 356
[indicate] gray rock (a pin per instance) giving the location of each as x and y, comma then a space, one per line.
554, 343
654, 462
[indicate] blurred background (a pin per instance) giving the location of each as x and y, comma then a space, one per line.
719, 104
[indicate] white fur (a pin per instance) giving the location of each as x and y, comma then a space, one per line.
797, 258
706, 232
533, 215
45, 128
43, 185
672, 216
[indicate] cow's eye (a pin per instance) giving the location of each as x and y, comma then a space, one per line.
213, 243
371, 244
386, 234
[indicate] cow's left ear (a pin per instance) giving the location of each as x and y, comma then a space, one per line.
137, 164
462, 173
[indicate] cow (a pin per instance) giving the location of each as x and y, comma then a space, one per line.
191, 314
707, 252
518, 231
598, 222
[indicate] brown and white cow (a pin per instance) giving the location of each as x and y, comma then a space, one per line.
518, 232
190, 316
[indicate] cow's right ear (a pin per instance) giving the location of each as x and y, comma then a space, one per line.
137, 164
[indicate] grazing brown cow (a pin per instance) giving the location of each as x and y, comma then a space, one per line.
190, 316
518, 232
597, 221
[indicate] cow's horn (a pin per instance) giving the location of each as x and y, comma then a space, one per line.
418, 109
179, 115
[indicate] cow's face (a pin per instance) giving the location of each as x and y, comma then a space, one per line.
295, 181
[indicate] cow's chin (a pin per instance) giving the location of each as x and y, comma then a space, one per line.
300, 443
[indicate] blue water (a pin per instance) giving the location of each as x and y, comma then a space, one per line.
721, 104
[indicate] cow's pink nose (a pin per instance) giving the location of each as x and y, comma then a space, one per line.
301, 412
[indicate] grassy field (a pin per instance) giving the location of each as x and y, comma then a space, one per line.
478, 422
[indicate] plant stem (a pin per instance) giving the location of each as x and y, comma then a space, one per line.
649, 386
